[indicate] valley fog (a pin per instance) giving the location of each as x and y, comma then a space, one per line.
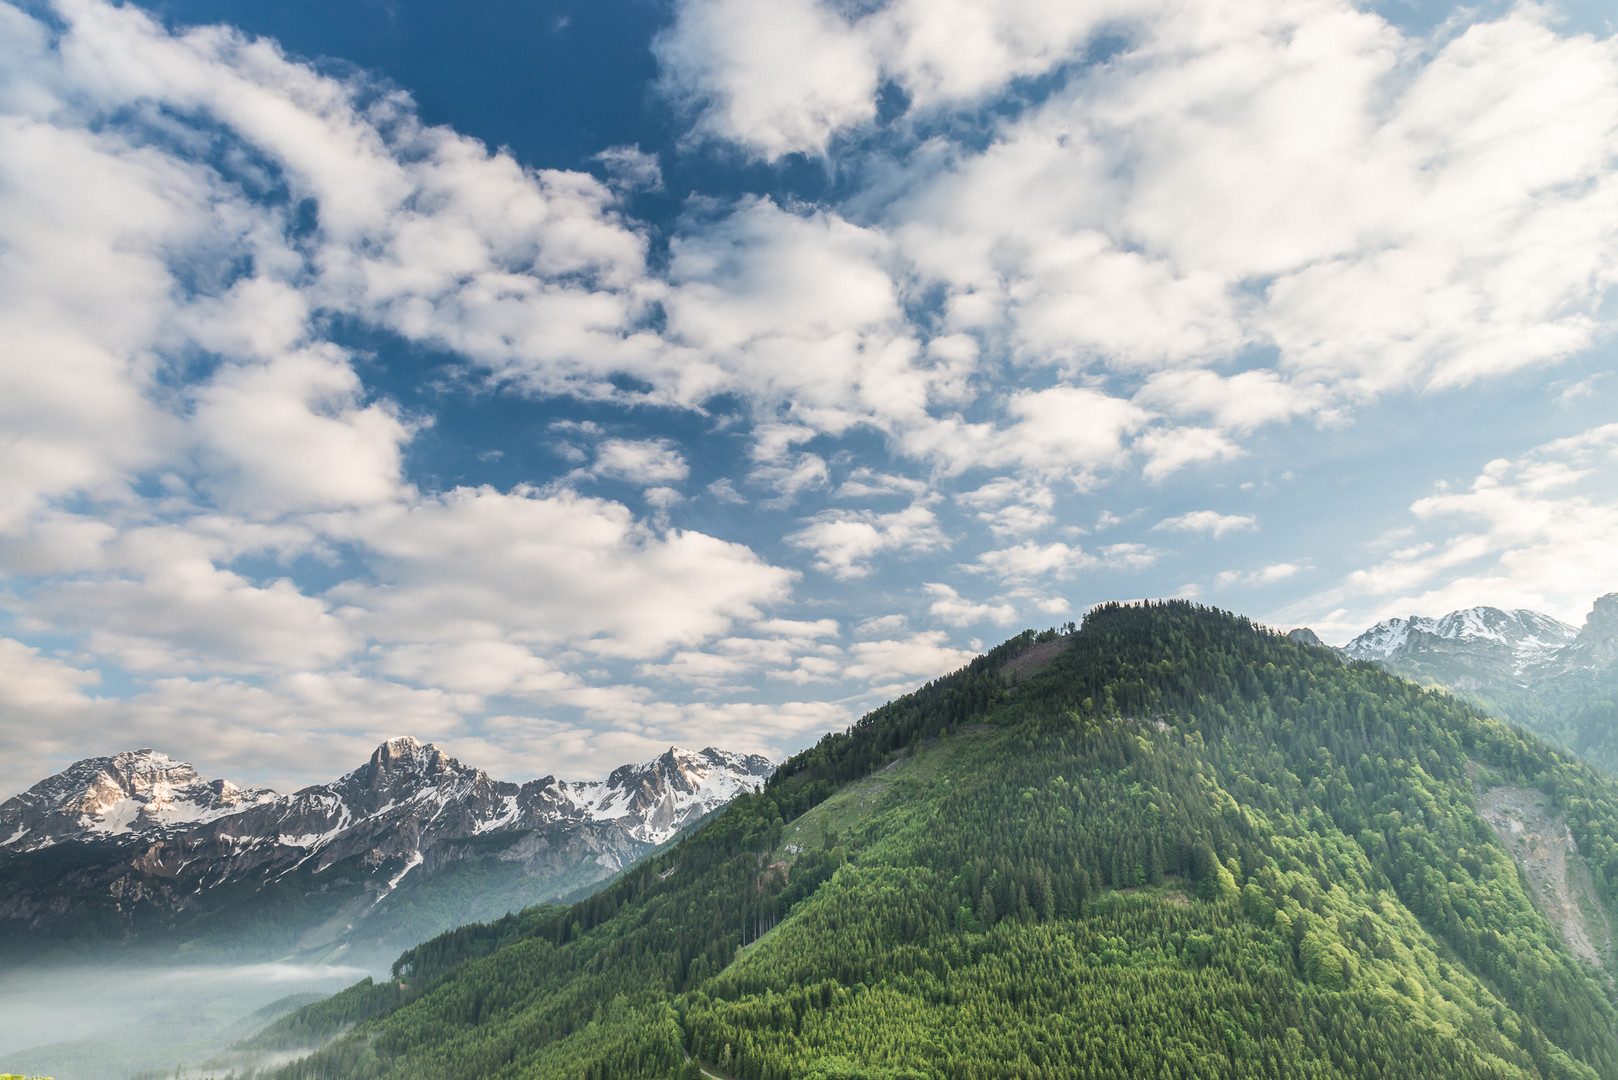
89, 1021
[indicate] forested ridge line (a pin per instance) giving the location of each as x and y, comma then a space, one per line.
1184, 847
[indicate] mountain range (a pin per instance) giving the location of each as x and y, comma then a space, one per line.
138, 847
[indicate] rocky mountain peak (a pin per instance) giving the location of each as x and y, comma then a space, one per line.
135, 792
401, 769
1603, 615
1596, 646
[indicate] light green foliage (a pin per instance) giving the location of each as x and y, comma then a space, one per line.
1185, 848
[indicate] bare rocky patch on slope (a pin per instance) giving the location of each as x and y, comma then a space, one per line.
1544, 847
1034, 657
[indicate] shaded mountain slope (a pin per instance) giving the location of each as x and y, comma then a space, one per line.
1184, 846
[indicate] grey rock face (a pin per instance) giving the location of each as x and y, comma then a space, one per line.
1596, 647
1305, 636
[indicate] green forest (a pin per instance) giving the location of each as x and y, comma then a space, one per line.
1579, 714
1183, 847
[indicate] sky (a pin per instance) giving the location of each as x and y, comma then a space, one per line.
558, 381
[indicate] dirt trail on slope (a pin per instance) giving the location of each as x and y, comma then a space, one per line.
1543, 846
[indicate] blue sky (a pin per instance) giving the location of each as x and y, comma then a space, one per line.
558, 382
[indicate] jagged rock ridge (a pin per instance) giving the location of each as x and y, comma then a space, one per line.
147, 837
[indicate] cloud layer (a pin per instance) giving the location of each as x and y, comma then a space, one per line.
1072, 265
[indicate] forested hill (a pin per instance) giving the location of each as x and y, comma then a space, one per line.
1182, 847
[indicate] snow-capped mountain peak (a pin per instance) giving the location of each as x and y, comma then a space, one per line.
136, 792
1481, 647
1523, 637
673, 789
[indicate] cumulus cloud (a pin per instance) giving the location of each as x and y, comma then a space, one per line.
641, 461
1011, 507
893, 663
844, 541
1061, 431
779, 80
46, 707
954, 609
1383, 221
1211, 522
800, 310
1029, 561
793, 656
548, 570
790, 79
294, 434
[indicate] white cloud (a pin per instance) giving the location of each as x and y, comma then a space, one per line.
955, 610
1239, 402
844, 541
630, 169
864, 482
777, 79
881, 624
1029, 561
641, 461
45, 711
791, 476
186, 614
1060, 431
1168, 450
530, 273
789, 79
292, 434
548, 570
1385, 213
892, 663
800, 310
725, 491
487, 667
1265, 575
794, 657
1011, 507
1208, 521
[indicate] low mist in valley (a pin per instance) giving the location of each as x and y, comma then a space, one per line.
110, 1021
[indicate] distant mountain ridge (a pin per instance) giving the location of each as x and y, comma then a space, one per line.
137, 843
1475, 647
1558, 680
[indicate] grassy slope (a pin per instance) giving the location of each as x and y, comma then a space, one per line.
1185, 847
